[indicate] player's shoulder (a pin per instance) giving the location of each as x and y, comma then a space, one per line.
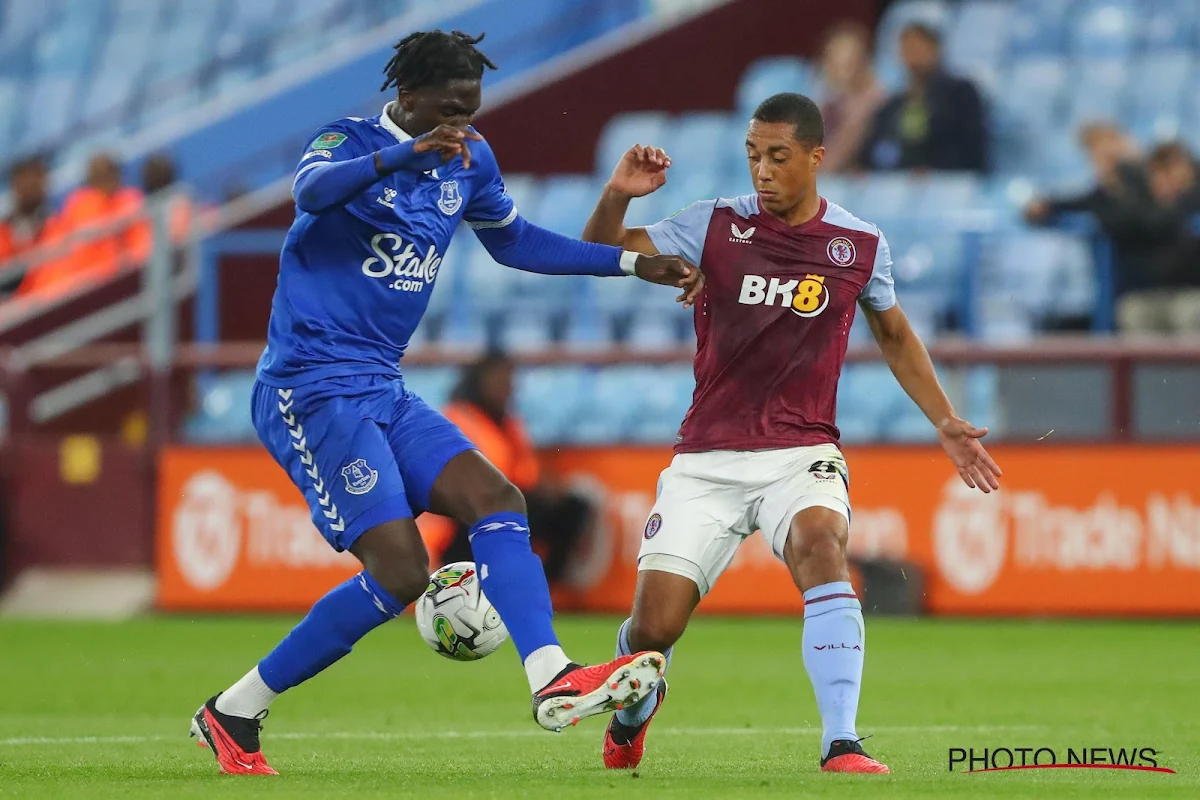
481, 151
837, 217
355, 131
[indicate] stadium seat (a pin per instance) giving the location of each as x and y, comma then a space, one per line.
978, 38
525, 333
840, 190
1039, 28
885, 195
431, 384
624, 131
566, 203
1098, 91
1034, 93
706, 142
664, 396
652, 333
587, 330
982, 395
224, 412
1104, 29
1167, 25
769, 76
53, 98
548, 400
524, 191
1158, 101
935, 13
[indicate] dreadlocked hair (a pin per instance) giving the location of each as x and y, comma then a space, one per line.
432, 58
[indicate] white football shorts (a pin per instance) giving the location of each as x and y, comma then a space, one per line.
708, 503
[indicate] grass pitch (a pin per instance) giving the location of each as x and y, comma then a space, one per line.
101, 710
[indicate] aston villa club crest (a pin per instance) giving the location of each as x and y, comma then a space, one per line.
841, 251
450, 201
360, 478
653, 525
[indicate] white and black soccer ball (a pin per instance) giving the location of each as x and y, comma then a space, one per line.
455, 618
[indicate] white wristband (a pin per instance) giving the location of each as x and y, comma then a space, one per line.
629, 261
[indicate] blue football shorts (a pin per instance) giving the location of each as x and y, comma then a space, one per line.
363, 449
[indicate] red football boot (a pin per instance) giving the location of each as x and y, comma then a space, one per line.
580, 692
846, 755
233, 740
625, 746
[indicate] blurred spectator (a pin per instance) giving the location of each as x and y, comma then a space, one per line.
32, 221
481, 407
101, 205
850, 95
158, 174
1145, 210
937, 122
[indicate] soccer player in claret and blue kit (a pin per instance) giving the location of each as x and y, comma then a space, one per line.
784, 270
377, 201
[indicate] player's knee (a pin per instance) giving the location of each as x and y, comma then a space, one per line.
821, 543
405, 579
496, 497
657, 633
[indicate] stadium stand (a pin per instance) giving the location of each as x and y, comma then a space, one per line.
966, 263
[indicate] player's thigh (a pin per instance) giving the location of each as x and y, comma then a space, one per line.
340, 461
442, 469
698, 520
804, 509
662, 606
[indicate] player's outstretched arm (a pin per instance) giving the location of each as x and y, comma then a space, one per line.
323, 185
640, 171
909, 361
522, 245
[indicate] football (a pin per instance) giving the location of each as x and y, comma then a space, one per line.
455, 618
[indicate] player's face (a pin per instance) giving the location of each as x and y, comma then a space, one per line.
454, 103
784, 170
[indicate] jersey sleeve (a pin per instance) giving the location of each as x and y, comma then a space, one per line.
683, 235
335, 142
880, 291
490, 205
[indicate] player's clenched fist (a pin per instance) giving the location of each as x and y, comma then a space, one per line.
672, 271
449, 141
640, 171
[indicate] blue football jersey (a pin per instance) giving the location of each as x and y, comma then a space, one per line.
354, 281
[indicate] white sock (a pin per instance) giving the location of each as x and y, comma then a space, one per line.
248, 698
543, 664
834, 641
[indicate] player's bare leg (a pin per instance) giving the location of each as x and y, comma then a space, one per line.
396, 571
472, 491
834, 637
662, 606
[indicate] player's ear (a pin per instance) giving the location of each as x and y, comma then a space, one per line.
408, 100
817, 155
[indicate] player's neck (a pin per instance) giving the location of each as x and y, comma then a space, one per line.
803, 211
402, 120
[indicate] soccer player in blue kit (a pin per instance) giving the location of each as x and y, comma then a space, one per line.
377, 202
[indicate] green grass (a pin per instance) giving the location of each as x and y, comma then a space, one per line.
394, 720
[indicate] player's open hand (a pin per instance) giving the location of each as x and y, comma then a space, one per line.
640, 171
960, 440
449, 141
672, 271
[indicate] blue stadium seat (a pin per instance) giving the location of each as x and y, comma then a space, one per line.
1160, 84
1061, 163
1033, 96
935, 13
485, 285
1098, 92
605, 411
624, 131
548, 400
1042, 272
865, 395
587, 330
50, 108
769, 76
431, 384
524, 191
664, 396
1168, 25
706, 142
464, 332
978, 37
566, 203
10, 99
982, 395
1039, 28
526, 332
1105, 29
885, 195
22, 20
224, 413
947, 192
652, 333
840, 190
